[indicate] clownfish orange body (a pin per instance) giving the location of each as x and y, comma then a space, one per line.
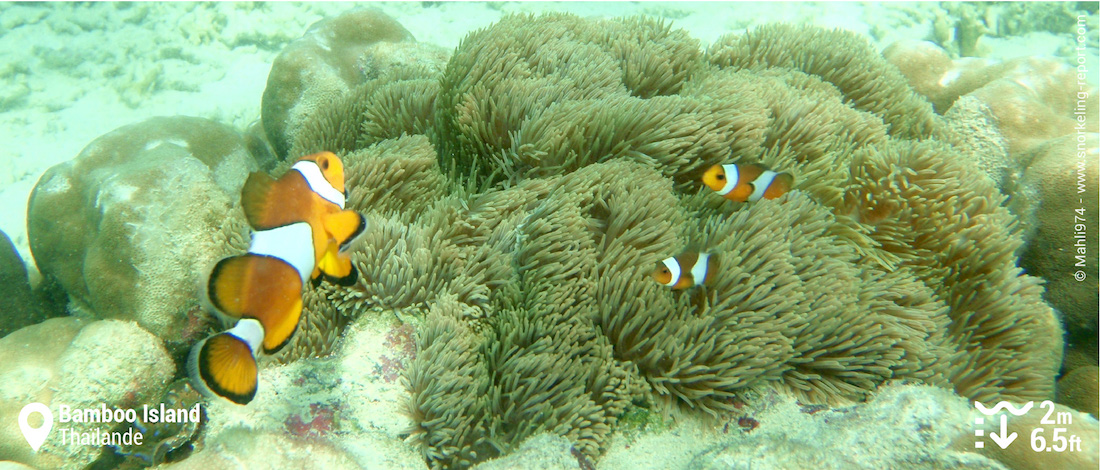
300, 230
686, 270
747, 182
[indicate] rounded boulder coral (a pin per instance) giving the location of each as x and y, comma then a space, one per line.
130, 225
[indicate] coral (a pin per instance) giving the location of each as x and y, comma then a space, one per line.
130, 226
971, 126
402, 345
961, 33
1064, 241
68, 361
334, 56
1035, 101
1031, 99
1080, 389
932, 73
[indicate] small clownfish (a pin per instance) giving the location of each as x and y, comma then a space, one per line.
299, 232
686, 270
747, 182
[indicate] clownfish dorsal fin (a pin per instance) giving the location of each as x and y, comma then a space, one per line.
256, 197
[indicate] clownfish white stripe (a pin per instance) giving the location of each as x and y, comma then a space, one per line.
318, 183
250, 331
761, 184
731, 179
699, 269
291, 243
674, 268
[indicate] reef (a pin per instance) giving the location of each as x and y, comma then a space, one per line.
535, 188
517, 197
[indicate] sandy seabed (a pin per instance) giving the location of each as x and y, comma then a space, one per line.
72, 72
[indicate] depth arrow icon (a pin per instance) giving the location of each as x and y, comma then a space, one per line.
1003, 439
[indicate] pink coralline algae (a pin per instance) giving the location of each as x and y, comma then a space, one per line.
402, 350
322, 423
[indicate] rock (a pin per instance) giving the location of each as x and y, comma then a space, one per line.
18, 306
1020, 454
344, 406
1080, 389
901, 427
544, 451
334, 56
243, 447
1062, 238
79, 364
131, 225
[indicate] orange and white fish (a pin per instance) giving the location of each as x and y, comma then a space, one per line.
747, 182
300, 231
686, 270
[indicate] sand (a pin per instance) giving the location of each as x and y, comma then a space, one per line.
70, 73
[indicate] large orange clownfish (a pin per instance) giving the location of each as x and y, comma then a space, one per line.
747, 182
686, 270
300, 231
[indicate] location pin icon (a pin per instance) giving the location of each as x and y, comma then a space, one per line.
35, 436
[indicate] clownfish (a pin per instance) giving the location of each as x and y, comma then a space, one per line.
299, 232
686, 270
747, 182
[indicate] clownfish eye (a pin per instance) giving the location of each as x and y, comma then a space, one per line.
721, 177
324, 163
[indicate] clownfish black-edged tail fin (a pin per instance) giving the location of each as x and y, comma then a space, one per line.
225, 364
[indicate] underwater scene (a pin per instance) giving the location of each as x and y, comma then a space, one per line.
534, 235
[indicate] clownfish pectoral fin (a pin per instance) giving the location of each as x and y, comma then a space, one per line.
779, 186
255, 199
344, 226
337, 267
260, 287
225, 365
